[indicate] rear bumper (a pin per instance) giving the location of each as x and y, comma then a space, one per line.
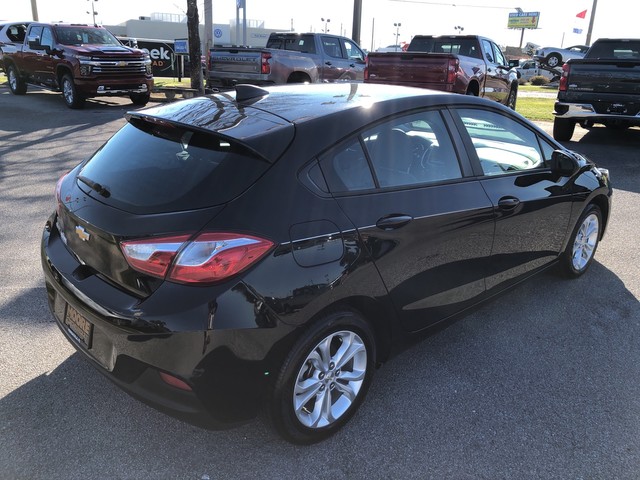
586, 111
227, 380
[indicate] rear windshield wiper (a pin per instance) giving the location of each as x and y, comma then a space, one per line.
95, 186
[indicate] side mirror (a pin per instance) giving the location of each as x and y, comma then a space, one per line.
563, 163
34, 42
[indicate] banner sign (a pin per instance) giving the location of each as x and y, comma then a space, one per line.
523, 20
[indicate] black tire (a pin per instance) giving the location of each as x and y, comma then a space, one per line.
313, 420
16, 84
563, 129
140, 99
70, 94
583, 243
553, 60
512, 98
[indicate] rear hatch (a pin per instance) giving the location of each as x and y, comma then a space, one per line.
153, 178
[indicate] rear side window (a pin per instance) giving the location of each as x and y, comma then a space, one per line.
148, 168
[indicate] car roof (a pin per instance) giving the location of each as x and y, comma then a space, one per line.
266, 119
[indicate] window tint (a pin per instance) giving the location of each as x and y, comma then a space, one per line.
459, 46
412, 150
346, 169
502, 144
148, 168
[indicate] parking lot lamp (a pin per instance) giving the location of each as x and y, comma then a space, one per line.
326, 21
397, 25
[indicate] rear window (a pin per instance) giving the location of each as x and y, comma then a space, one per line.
148, 168
458, 46
622, 50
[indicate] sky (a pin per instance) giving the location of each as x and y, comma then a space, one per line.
614, 18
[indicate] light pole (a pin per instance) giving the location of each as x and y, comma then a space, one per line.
326, 22
458, 29
397, 25
93, 12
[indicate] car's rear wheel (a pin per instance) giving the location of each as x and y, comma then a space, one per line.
16, 84
324, 379
583, 243
69, 92
563, 129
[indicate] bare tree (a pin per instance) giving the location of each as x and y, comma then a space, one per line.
195, 51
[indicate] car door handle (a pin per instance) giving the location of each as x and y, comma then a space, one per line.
352, 65
328, 63
393, 221
508, 203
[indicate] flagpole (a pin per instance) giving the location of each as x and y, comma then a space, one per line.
591, 20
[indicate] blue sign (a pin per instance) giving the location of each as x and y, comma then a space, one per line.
181, 47
217, 33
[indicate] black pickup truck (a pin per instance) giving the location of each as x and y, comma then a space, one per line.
603, 87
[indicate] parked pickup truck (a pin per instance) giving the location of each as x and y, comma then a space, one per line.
603, 87
81, 61
465, 64
288, 58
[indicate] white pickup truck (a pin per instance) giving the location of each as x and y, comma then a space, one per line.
288, 58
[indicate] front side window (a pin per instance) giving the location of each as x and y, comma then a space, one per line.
412, 150
502, 144
47, 39
353, 52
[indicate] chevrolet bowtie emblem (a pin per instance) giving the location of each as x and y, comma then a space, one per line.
82, 233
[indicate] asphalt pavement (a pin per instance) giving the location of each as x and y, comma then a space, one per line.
540, 383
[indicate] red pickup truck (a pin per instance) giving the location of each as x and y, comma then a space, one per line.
81, 61
466, 64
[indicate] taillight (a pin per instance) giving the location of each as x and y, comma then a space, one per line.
564, 79
58, 193
209, 258
366, 68
153, 256
265, 67
452, 70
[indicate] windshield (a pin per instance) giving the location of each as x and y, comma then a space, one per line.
85, 36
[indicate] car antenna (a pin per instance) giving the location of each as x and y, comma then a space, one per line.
248, 92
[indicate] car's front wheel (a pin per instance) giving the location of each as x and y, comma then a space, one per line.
70, 94
140, 99
324, 379
512, 98
583, 243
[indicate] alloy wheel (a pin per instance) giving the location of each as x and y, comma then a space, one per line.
330, 379
585, 242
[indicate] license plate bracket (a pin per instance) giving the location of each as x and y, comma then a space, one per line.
79, 327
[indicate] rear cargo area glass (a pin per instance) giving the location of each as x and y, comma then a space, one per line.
148, 168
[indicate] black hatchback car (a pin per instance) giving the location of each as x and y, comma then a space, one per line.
266, 249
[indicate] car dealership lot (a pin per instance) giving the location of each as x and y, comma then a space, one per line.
540, 383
